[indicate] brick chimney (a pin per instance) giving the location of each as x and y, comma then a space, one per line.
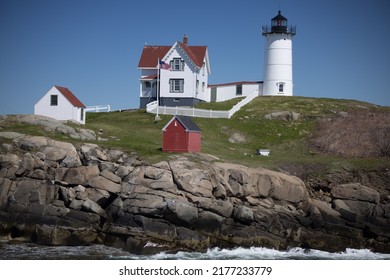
185, 40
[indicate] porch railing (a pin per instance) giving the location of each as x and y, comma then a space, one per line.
153, 108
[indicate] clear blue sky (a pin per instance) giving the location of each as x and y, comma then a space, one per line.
341, 49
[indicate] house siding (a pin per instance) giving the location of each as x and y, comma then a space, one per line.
182, 102
175, 138
193, 142
225, 92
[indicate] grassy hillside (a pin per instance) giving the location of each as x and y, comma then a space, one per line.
247, 131
287, 140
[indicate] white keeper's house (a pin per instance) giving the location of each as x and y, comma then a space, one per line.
61, 104
182, 71
178, 75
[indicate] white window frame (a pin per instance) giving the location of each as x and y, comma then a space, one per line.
177, 64
176, 85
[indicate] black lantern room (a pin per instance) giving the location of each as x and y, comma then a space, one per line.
279, 25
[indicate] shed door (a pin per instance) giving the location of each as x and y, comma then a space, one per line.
179, 142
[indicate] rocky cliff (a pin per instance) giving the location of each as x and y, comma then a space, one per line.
54, 193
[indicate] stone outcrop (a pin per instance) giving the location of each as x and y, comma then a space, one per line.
283, 115
51, 125
52, 193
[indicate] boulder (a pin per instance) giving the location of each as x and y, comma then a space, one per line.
91, 206
54, 154
237, 138
263, 185
10, 135
111, 176
361, 207
70, 162
158, 229
8, 160
145, 204
86, 134
208, 221
81, 175
283, 115
123, 170
326, 210
101, 197
114, 155
27, 165
103, 183
241, 181
355, 191
93, 151
34, 191
180, 212
55, 149
5, 185
64, 236
243, 214
191, 179
288, 188
220, 207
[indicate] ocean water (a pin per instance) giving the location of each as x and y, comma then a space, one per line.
28, 251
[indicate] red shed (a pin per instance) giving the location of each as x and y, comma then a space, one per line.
181, 134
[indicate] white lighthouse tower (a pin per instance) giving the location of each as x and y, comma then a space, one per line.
278, 78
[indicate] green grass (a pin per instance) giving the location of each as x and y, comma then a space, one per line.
138, 131
220, 106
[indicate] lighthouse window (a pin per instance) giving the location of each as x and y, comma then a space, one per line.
281, 87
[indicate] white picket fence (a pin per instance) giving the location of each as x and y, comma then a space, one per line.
153, 108
98, 108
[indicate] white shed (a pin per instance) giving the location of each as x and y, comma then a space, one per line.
61, 104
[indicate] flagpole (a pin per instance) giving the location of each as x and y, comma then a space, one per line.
158, 88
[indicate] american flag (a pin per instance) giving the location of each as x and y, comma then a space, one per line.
164, 65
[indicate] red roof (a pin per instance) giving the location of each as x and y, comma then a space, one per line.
196, 53
70, 96
151, 54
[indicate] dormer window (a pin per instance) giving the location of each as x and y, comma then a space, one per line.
177, 64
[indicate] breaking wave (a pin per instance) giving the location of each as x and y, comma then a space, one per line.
37, 252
